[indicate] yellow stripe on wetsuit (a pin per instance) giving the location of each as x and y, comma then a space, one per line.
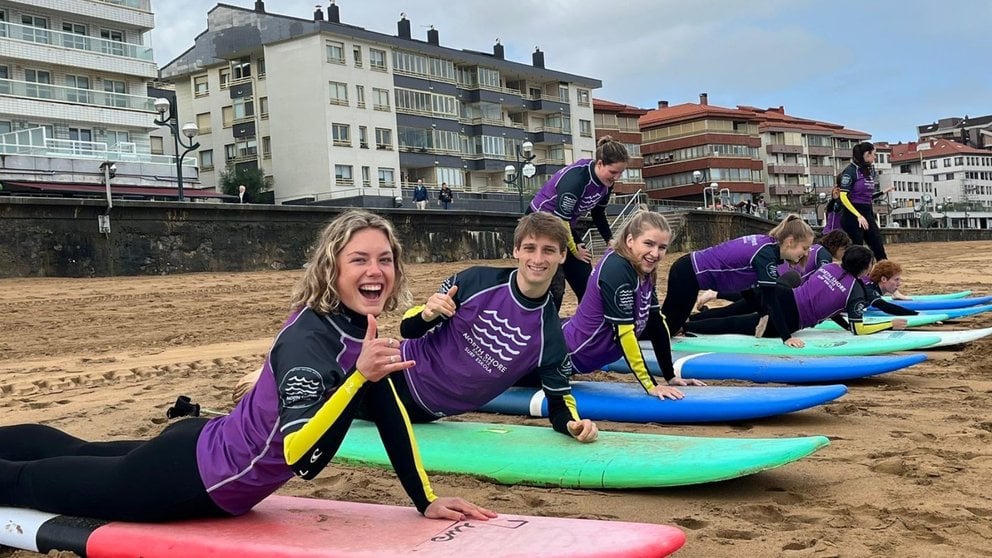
635, 358
300, 443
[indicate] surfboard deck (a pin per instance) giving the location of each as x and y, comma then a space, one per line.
627, 402
780, 369
539, 456
287, 527
946, 338
951, 313
911, 321
849, 345
941, 304
935, 296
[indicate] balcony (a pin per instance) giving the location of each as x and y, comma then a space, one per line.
74, 95
130, 13
786, 169
773, 148
34, 142
74, 41
44, 46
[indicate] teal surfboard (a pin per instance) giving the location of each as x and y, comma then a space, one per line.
834, 345
940, 296
539, 456
911, 321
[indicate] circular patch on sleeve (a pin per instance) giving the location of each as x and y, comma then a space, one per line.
624, 299
773, 270
568, 202
301, 387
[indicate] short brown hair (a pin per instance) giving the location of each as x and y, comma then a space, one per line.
540, 224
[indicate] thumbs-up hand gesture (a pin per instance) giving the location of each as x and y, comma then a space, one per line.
379, 357
440, 304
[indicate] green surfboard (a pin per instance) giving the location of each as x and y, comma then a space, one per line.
846, 345
539, 456
911, 321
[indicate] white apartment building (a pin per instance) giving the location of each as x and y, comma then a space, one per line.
330, 111
950, 181
73, 95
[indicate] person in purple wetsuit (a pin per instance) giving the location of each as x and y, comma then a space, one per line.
830, 248
734, 266
858, 190
323, 366
580, 188
486, 328
622, 307
832, 289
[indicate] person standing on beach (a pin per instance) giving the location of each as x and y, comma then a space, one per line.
858, 190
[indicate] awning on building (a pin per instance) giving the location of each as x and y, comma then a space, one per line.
116, 190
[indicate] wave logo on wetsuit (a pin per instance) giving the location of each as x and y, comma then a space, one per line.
301, 387
773, 270
568, 202
494, 341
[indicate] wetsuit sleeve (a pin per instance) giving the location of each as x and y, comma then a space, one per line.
598, 215
823, 257
893, 309
661, 342
414, 325
569, 190
765, 264
856, 305
558, 391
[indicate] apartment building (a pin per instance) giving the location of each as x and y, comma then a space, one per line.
746, 152
73, 95
973, 132
947, 179
329, 110
619, 121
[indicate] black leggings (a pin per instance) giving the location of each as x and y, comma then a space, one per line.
576, 272
46, 469
683, 287
872, 237
723, 320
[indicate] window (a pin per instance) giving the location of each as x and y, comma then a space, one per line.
115, 91
933, 164
260, 64
243, 149
266, 147
244, 108
950, 176
75, 35
339, 93
583, 96
366, 177
380, 99
342, 175
117, 138
335, 52
224, 75
35, 29
200, 86
377, 59
156, 146
241, 68
563, 92
79, 89
387, 177
5, 126
113, 42
947, 162
357, 55
4, 74
263, 107
39, 82
206, 159
383, 138
363, 137
341, 134
80, 134
585, 128
227, 116
203, 122
360, 95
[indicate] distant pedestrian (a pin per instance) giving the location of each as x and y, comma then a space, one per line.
445, 197
420, 195
243, 196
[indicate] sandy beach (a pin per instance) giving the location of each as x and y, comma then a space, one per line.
906, 473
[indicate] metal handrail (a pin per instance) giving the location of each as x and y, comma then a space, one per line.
634, 199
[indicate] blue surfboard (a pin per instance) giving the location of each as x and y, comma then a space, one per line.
951, 313
940, 296
627, 402
782, 369
944, 304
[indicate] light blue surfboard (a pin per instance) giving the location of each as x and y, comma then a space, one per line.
911, 321
940, 296
628, 402
951, 313
944, 304
781, 369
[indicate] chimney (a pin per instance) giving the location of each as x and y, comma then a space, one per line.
260, 6
403, 27
498, 50
538, 58
333, 15
318, 14
433, 37
704, 99
662, 104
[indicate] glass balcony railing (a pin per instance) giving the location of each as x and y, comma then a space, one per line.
74, 95
34, 142
75, 41
137, 4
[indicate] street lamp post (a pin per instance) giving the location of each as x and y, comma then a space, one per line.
514, 174
169, 116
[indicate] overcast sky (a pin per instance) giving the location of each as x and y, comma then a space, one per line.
880, 67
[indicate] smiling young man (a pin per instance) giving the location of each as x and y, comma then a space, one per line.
488, 327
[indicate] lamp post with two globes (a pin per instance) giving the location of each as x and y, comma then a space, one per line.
168, 116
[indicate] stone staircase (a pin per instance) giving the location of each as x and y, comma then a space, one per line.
596, 246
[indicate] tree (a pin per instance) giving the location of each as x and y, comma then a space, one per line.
252, 177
